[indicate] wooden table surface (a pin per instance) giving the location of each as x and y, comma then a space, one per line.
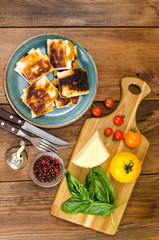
123, 39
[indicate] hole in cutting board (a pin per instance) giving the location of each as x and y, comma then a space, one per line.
134, 89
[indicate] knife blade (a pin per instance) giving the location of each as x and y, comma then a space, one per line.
30, 128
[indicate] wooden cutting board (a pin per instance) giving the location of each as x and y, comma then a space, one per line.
128, 106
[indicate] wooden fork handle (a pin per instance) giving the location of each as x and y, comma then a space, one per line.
8, 127
10, 117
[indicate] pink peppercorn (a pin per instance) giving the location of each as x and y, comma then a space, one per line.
46, 168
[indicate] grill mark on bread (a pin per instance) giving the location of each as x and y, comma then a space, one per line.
25, 54
63, 101
40, 95
77, 81
36, 69
57, 54
74, 100
35, 109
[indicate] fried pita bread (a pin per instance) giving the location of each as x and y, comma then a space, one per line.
17, 69
73, 83
74, 62
34, 65
55, 82
60, 53
47, 110
63, 102
66, 102
69, 50
20, 72
30, 56
39, 96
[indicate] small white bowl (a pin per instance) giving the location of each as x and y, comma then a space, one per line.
57, 179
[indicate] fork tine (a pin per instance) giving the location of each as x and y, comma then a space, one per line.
43, 149
51, 147
48, 148
48, 143
40, 149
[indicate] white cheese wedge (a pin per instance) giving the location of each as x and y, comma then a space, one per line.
92, 154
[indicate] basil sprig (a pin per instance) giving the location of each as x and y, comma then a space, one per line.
76, 189
99, 186
96, 197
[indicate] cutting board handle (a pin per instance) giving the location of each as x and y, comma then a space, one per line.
141, 84
129, 102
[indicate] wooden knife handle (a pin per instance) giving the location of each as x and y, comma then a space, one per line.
8, 127
8, 116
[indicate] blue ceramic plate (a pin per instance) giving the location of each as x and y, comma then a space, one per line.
14, 84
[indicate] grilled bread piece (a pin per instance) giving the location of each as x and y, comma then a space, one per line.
34, 54
55, 82
66, 102
69, 50
47, 110
60, 53
34, 65
17, 69
39, 96
63, 102
73, 83
74, 62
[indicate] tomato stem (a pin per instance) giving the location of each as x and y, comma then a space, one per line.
109, 102
106, 135
128, 167
114, 139
94, 105
134, 130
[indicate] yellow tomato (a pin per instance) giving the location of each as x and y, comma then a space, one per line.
125, 167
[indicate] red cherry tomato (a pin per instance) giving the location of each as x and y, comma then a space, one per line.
97, 111
118, 135
118, 120
109, 102
108, 132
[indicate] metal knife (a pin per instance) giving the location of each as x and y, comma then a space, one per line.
30, 128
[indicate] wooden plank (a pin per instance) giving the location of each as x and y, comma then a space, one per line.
148, 123
116, 52
78, 13
25, 214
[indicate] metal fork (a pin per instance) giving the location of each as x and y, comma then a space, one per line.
37, 142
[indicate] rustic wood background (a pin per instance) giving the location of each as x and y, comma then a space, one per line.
123, 39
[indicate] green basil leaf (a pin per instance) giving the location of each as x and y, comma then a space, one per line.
98, 208
75, 205
75, 187
103, 178
97, 189
90, 184
101, 193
